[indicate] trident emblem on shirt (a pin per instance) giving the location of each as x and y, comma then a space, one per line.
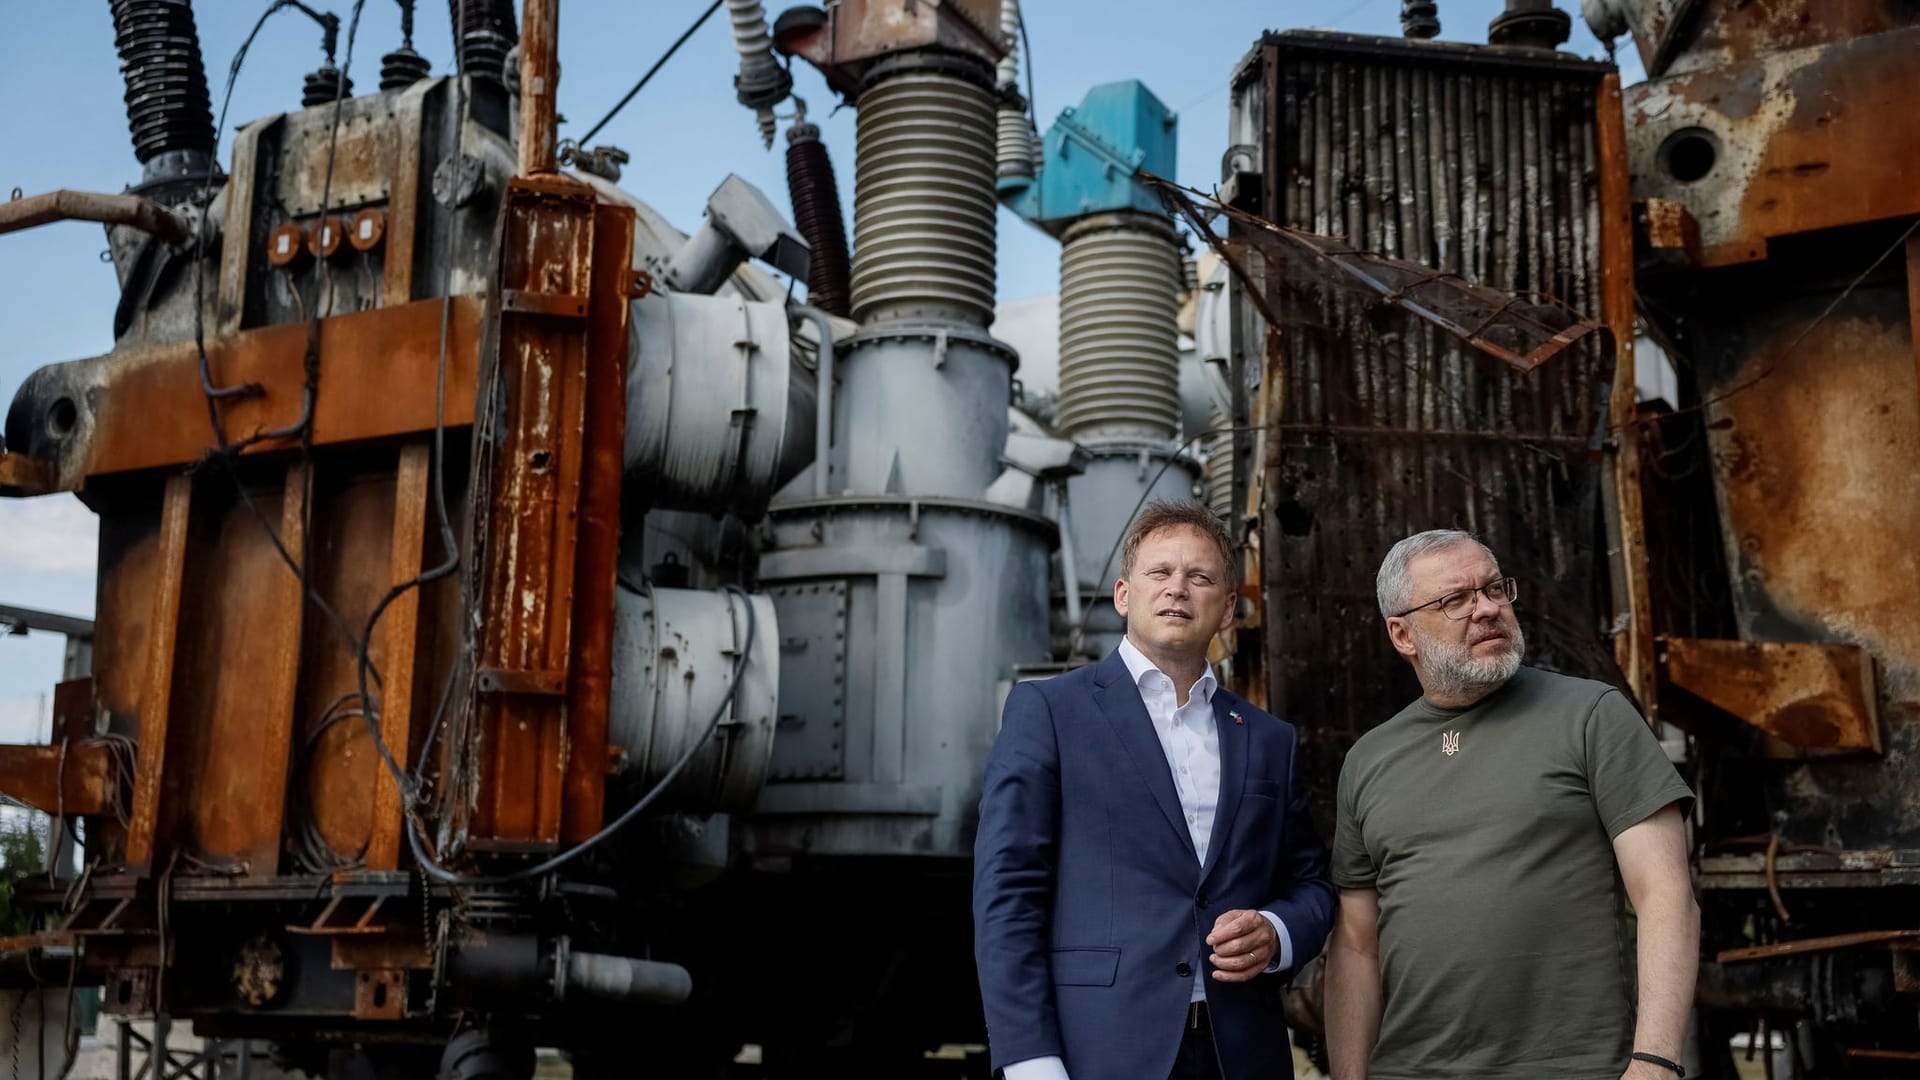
1449, 743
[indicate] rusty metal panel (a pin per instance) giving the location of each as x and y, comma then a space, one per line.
1633, 650
1693, 34
590, 684
1489, 166
1783, 144
142, 409
532, 433
156, 689
356, 522
364, 153
399, 640
1811, 697
59, 778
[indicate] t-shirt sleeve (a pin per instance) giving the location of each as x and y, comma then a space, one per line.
1627, 770
1352, 867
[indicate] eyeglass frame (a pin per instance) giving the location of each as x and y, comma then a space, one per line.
1512, 586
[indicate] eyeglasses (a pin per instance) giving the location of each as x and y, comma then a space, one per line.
1459, 604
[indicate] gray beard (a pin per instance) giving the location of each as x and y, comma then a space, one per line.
1453, 670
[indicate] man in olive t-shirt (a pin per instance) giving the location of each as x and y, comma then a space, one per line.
1487, 837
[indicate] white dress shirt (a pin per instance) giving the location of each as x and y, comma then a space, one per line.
1190, 737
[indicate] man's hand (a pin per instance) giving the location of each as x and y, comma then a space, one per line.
1244, 943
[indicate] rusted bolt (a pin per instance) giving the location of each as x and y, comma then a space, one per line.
640, 286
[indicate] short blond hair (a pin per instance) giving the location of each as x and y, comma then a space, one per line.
1173, 513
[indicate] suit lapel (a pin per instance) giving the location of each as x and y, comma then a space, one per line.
1119, 701
1233, 775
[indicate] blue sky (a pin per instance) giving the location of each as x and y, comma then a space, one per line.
65, 126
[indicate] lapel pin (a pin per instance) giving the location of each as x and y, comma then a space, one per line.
1235, 713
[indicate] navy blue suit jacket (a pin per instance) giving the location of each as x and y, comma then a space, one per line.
1089, 900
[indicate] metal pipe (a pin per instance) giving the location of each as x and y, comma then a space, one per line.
627, 979
539, 79
823, 397
130, 210
1069, 566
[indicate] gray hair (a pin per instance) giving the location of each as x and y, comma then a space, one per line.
1394, 586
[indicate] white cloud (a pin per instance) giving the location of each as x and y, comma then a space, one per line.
53, 534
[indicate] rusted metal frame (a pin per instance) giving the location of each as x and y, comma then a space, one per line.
399, 649
236, 245
22, 475
288, 602
157, 692
539, 82
380, 366
1634, 650
403, 202
590, 681
65, 776
529, 521
1819, 944
1913, 301
1416, 434
1807, 695
1348, 261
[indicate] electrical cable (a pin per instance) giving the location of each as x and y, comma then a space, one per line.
224, 449
657, 65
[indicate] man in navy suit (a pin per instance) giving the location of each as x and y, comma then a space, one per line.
1145, 861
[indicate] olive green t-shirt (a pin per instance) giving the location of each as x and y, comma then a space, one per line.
1488, 832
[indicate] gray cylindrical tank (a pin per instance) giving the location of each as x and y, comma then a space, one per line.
902, 620
920, 409
1119, 338
718, 414
674, 653
923, 205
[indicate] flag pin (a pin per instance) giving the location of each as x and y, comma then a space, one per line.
1235, 713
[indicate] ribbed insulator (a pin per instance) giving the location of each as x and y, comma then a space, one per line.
923, 203
1008, 72
325, 85
167, 104
402, 68
815, 197
762, 82
483, 55
1219, 476
483, 32
1419, 19
1119, 337
1013, 143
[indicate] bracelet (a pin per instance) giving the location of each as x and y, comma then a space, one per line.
1655, 1059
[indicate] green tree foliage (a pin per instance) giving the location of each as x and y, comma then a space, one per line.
21, 854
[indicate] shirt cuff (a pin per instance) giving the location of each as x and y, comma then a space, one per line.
1040, 1068
1283, 959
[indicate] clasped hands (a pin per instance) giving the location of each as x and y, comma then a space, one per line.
1243, 944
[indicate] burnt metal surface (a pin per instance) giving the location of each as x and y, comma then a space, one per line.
1806, 379
143, 409
531, 531
1781, 144
1810, 697
1480, 162
855, 33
